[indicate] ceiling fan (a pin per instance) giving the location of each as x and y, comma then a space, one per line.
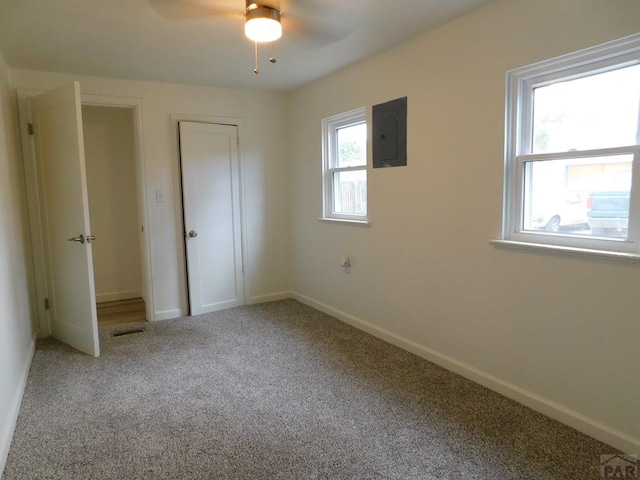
264, 20
262, 25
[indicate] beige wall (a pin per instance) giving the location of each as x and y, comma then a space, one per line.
16, 338
557, 332
110, 155
264, 174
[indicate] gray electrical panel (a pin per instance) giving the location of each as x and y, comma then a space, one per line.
390, 133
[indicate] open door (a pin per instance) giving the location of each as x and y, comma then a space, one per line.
59, 150
211, 205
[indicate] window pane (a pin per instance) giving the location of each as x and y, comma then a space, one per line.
352, 146
585, 196
350, 192
597, 111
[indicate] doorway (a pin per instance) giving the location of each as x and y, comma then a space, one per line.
38, 206
110, 157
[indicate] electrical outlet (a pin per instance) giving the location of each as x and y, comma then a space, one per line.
346, 263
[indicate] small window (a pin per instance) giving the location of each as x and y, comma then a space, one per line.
345, 166
572, 150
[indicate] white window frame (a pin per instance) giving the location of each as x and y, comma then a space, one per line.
330, 127
521, 84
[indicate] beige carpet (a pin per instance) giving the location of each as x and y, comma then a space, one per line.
275, 391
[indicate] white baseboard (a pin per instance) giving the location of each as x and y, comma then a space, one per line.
176, 312
271, 297
115, 296
580, 422
6, 431
167, 314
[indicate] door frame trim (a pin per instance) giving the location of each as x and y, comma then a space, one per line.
40, 287
177, 185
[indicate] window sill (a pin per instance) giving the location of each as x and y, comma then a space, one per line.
573, 251
344, 221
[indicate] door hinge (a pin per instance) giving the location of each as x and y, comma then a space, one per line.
238, 141
30, 128
46, 304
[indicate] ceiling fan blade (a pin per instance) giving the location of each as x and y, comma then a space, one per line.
277, 4
197, 9
318, 21
308, 7
316, 31
310, 21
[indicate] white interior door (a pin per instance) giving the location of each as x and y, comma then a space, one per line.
211, 204
59, 149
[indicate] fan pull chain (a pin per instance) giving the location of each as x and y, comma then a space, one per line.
272, 59
255, 58
273, 53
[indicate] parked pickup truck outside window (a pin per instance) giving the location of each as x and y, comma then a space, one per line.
608, 209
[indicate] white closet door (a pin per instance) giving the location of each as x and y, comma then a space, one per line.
211, 203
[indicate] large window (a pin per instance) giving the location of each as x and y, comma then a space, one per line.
345, 166
572, 150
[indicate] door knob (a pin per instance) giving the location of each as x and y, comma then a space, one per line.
77, 239
193, 234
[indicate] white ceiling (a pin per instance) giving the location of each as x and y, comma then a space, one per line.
202, 42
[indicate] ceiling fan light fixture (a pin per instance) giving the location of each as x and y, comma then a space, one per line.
263, 24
